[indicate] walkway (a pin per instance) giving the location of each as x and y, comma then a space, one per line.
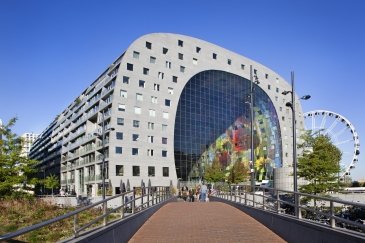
202, 222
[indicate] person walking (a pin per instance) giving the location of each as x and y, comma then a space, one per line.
203, 192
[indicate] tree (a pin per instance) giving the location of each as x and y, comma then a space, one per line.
319, 164
15, 169
51, 182
237, 173
214, 172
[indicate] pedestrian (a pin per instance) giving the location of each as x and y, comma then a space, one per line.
185, 192
203, 192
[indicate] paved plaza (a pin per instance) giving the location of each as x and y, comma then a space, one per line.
203, 222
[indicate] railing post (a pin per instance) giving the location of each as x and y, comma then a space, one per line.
333, 221
239, 194
134, 201
246, 197
104, 213
142, 193
253, 196
277, 201
263, 199
76, 222
123, 206
298, 206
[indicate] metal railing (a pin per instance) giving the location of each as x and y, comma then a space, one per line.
333, 212
130, 202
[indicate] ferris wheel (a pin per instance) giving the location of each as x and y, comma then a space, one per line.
342, 133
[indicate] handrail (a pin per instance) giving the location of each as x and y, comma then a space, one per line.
272, 202
153, 197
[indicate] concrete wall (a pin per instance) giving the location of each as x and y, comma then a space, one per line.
293, 230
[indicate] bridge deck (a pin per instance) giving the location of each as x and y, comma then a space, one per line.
203, 222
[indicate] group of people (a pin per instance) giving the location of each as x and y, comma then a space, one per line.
200, 193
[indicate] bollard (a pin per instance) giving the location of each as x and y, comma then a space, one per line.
76, 220
332, 213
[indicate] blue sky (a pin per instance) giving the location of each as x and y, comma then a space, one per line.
50, 51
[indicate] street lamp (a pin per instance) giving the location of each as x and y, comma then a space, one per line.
292, 106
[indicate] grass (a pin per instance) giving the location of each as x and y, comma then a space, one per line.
16, 214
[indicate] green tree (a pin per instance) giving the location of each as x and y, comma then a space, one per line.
319, 164
51, 182
237, 173
15, 170
214, 172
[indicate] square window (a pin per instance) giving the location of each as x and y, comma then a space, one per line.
266, 75
118, 150
148, 45
214, 56
152, 59
156, 87
165, 171
180, 43
164, 50
181, 56
139, 97
136, 54
151, 125
167, 102
161, 75
123, 93
152, 113
135, 170
125, 80
141, 83
151, 171
168, 64
154, 99
135, 123
197, 49
269, 86
242, 66
119, 170
150, 152
229, 61
164, 127
120, 121
146, 71
165, 115
164, 140
195, 61
150, 139
182, 69
277, 90
121, 107
135, 151
255, 71
164, 153
129, 67
135, 137
174, 79
119, 135
170, 90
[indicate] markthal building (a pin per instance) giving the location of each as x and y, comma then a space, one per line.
167, 108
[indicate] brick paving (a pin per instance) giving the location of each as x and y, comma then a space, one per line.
202, 222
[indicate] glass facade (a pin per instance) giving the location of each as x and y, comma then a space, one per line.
213, 123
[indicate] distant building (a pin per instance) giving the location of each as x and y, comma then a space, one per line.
170, 105
28, 139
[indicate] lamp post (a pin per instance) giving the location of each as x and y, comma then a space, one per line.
292, 106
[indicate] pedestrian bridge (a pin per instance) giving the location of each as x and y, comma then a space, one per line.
239, 215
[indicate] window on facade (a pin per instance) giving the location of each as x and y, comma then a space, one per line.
135, 123
170, 90
197, 49
151, 125
164, 50
150, 139
180, 43
151, 171
167, 102
182, 69
123, 93
152, 112
137, 110
129, 67
283, 118
161, 75
118, 150
266, 75
242, 66
121, 107
148, 45
164, 140
120, 121
136, 54
156, 87
214, 56
119, 170
164, 153
165, 171
119, 135
255, 71
125, 80
139, 97
152, 59
165, 115
135, 170
174, 79
134, 151
180, 56
164, 127
277, 90
146, 71
168, 64
268, 86
135, 137
154, 99
195, 61
150, 152
229, 61
141, 83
